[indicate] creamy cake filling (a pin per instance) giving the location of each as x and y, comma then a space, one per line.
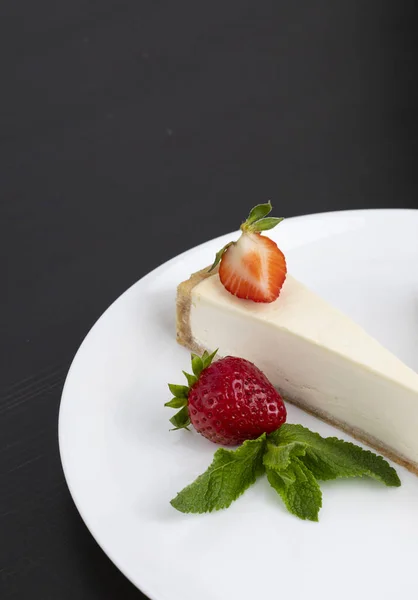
317, 357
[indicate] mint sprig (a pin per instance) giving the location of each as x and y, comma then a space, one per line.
327, 458
229, 475
298, 489
294, 459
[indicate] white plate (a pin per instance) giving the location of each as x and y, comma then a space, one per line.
123, 465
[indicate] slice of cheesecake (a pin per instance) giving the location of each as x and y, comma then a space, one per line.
318, 358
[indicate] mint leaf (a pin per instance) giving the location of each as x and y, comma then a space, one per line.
327, 458
280, 457
229, 475
298, 489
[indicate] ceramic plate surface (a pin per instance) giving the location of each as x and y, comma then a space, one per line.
123, 465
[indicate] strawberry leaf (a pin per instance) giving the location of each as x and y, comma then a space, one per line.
219, 256
208, 358
176, 403
181, 420
197, 365
191, 379
179, 391
258, 212
265, 224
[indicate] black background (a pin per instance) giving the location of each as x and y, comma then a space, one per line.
131, 130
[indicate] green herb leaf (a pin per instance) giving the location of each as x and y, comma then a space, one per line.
179, 391
191, 379
258, 212
219, 255
265, 224
327, 458
298, 489
197, 365
176, 403
280, 457
181, 420
229, 475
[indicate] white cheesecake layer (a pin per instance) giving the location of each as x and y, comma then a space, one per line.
316, 356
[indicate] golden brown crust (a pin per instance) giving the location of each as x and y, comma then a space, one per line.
185, 338
183, 304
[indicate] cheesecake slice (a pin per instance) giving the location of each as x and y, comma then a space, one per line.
319, 359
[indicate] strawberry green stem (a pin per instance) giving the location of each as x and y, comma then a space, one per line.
181, 420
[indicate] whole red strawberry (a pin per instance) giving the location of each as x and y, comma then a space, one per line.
228, 401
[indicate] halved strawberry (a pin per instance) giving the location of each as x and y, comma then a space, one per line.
253, 267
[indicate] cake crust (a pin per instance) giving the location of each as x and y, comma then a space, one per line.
183, 305
185, 338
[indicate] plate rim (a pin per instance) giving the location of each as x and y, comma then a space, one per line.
95, 534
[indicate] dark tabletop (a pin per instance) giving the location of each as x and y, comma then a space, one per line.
132, 130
